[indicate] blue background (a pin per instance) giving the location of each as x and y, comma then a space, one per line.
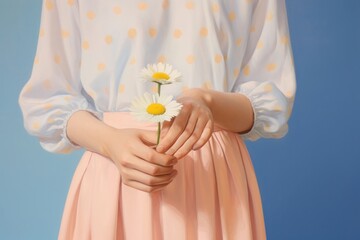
309, 179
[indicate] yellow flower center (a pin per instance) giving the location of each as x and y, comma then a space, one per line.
160, 76
156, 109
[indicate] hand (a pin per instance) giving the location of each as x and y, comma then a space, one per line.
140, 165
191, 129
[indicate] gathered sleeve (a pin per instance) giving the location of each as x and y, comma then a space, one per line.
54, 91
267, 75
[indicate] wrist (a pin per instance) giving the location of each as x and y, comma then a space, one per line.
203, 95
106, 141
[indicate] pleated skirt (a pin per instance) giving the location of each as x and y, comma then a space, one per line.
215, 196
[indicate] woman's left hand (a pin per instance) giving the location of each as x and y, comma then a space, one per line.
191, 129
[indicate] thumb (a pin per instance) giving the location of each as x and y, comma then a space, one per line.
148, 137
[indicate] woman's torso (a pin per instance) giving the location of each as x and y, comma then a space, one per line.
204, 39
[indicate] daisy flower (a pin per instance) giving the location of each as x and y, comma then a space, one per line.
160, 73
155, 108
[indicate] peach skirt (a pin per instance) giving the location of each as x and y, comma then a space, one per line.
214, 196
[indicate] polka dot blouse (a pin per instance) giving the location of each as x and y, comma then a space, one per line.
90, 54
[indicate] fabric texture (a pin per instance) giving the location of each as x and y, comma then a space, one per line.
215, 196
90, 54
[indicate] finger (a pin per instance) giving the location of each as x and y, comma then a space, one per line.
205, 136
177, 127
187, 133
148, 137
195, 136
146, 167
143, 187
146, 179
165, 128
152, 156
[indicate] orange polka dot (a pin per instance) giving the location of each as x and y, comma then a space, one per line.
267, 127
101, 66
165, 4
284, 40
269, 16
70, 2
207, 85
232, 16
277, 108
90, 15
252, 29
133, 61
67, 98
132, 33
236, 72
57, 59
218, 58
246, 71
289, 94
249, 1
108, 39
162, 59
204, 32
85, 45
260, 44
36, 60
92, 94
28, 87
268, 87
35, 126
66, 150
215, 7
117, 10
143, 6
271, 67
177, 33
49, 4
47, 84
65, 34
47, 106
190, 5
42, 32
238, 41
190, 59
68, 87
121, 88
225, 84
152, 32
50, 120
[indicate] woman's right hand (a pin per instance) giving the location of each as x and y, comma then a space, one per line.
140, 165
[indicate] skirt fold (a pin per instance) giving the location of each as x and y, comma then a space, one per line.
215, 196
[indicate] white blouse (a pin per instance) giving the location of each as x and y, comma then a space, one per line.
90, 54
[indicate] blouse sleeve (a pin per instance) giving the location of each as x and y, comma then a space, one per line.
267, 78
54, 91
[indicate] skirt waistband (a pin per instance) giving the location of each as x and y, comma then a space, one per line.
121, 120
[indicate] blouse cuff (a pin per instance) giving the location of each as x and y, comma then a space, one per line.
269, 108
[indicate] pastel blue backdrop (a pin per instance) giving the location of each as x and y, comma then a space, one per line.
309, 180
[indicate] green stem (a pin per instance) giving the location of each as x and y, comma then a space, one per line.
159, 88
158, 133
159, 123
